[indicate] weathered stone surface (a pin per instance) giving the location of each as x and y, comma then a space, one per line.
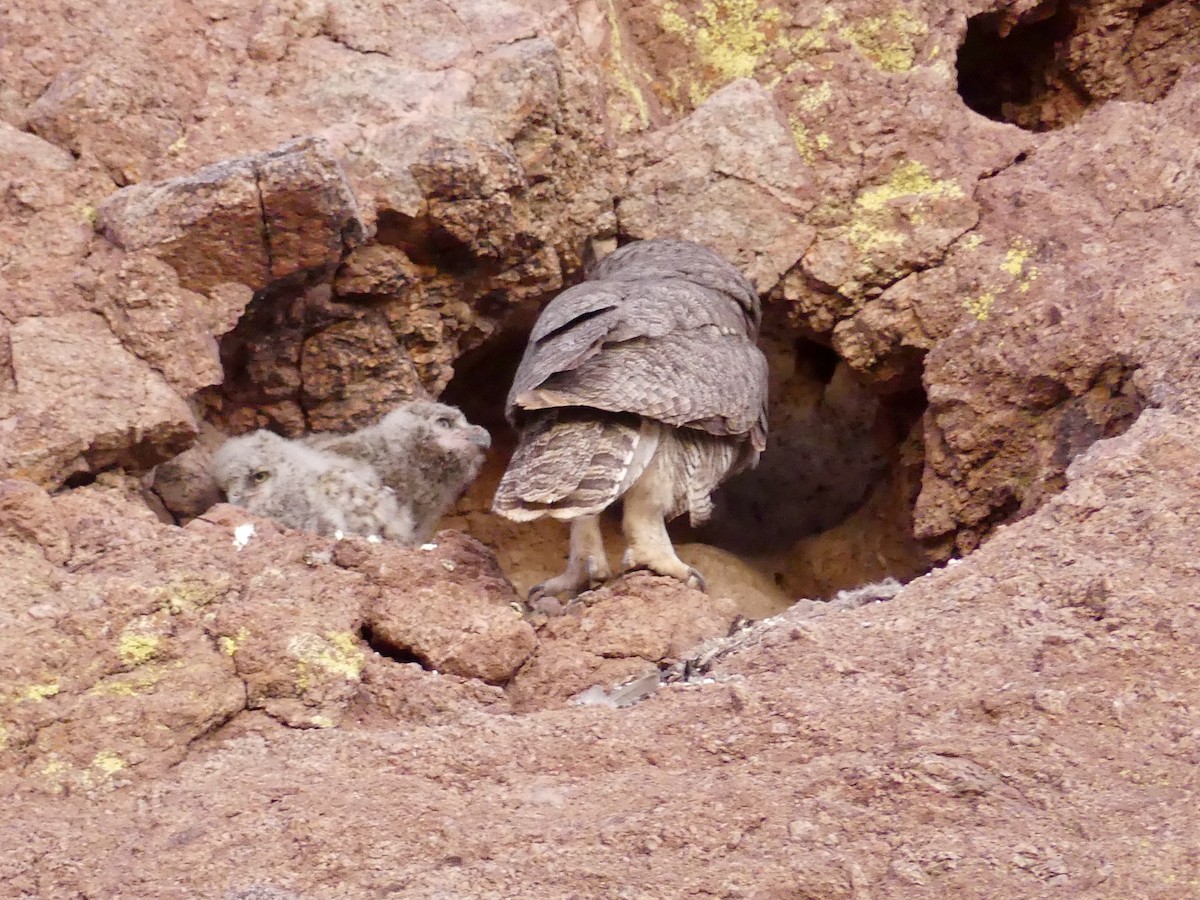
250, 220
185, 483
449, 606
159, 321
1034, 337
734, 152
622, 629
48, 201
83, 404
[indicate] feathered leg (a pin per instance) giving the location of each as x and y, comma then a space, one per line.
587, 564
647, 503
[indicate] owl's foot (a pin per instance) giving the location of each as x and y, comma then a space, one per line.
587, 565
582, 575
663, 564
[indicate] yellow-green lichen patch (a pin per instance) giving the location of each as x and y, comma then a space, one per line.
814, 98
88, 213
189, 593
54, 767
889, 42
131, 684
108, 763
336, 654
878, 210
322, 721
908, 179
804, 143
980, 306
1016, 264
734, 39
229, 643
729, 35
625, 75
971, 242
137, 648
36, 693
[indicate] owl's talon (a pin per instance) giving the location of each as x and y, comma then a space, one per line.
598, 571
678, 570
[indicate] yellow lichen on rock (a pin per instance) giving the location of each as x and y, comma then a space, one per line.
814, 98
908, 179
889, 42
54, 767
1016, 264
188, 593
229, 644
875, 212
980, 306
108, 763
335, 654
735, 39
136, 648
625, 75
128, 684
36, 693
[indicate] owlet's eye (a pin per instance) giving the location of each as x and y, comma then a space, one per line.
444, 422
260, 476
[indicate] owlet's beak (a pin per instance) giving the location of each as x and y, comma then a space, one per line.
479, 436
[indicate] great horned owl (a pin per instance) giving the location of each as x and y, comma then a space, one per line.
427, 452
304, 488
643, 382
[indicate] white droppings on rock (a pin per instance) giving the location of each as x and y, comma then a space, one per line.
242, 535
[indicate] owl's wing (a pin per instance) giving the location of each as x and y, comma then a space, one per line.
698, 378
573, 463
679, 259
653, 347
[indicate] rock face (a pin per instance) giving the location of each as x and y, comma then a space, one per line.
974, 227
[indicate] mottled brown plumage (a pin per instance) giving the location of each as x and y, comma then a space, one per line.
643, 382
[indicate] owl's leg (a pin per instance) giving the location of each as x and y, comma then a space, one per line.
647, 503
587, 564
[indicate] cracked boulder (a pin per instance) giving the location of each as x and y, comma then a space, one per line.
1055, 322
251, 220
620, 631
82, 403
734, 152
137, 638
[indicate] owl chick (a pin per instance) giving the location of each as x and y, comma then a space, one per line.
427, 452
304, 488
643, 383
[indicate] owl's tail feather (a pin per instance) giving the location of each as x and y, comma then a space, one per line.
572, 462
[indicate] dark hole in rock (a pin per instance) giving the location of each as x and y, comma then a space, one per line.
426, 243
1042, 69
80, 479
389, 650
1006, 76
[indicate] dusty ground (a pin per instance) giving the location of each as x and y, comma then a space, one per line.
982, 295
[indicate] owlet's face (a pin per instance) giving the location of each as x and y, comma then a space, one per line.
449, 429
246, 468
457, 435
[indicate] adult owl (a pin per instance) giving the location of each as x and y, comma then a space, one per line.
645, 383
